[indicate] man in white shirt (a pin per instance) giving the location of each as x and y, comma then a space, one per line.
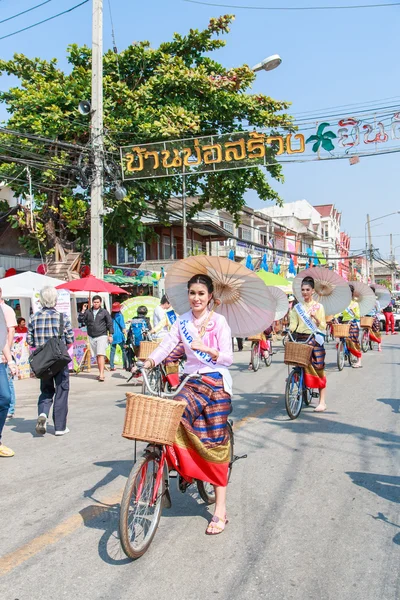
160, 316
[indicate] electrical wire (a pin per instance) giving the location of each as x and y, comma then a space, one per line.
64, 12
295, 8
25, 11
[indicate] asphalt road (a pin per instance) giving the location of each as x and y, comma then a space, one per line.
314, 509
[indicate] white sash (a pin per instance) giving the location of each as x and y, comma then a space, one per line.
309, 323
189, 333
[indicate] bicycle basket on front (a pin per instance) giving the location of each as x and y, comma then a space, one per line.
297, 354
152, 419
341, 330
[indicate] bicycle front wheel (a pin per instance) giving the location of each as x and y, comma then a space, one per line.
255, 356
268, 355
140, 515
293, 394
155, 381
205, 489
340, 356
365, 341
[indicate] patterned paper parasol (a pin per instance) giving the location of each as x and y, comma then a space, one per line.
282, 303
364, 296
242, 295
383, 294
331, 290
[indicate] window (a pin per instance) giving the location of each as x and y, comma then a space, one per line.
166, 248
263, 239
227, 225
125, 256
244, 234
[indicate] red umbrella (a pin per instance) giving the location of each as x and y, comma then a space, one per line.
90, 284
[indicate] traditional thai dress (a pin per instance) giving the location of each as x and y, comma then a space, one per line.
202, 448
375, 333
314, 373
352, 315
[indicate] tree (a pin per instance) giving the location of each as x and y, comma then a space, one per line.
170, 92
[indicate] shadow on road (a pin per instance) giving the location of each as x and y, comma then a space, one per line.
393, 402
385, 486
115, 469
20, 425
381, 517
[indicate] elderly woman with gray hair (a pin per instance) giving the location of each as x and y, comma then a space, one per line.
45, 324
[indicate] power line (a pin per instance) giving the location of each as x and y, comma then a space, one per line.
25, 11
64, 12
296, 8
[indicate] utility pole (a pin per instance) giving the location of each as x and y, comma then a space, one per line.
371, 254
96, 194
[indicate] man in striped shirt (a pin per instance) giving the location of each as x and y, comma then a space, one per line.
44, 325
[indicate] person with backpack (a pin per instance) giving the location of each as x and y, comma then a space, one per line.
118, 335
138, 326
45, 324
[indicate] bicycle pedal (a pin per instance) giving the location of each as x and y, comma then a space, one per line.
314, 395
182, 484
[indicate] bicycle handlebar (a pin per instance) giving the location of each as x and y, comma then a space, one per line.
305, 342
171, 395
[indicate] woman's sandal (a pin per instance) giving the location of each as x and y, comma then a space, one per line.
216, 525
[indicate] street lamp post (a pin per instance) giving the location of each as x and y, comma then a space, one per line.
370, 252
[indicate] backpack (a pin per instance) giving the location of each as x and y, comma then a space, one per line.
51, 358
136, 330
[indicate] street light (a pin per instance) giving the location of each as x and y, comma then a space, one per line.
371, 258
268, 64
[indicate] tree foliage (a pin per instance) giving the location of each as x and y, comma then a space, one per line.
176, 90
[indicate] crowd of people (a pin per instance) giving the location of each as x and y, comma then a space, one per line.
203, 337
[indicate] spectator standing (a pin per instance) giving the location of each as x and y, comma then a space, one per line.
160, 317
119, 334
45, 324
5, 394
11, 323
389, 317
100, 331
21, 326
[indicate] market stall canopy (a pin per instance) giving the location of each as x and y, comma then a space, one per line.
25, 284
90, 284
240, 293
275, 280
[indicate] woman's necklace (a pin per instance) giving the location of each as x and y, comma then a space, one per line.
198, 323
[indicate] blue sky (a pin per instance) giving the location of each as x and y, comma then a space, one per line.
330, 58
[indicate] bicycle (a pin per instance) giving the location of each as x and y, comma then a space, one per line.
342, 353
257, 354
329, 337
296, 391
147, 490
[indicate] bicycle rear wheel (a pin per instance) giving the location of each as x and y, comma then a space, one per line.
293, 394
255, 355
365, 341
205, 489
139, 517
340, 355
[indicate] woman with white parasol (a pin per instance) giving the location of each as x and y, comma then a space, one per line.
205, 331
362, 301
375, 332
322, 292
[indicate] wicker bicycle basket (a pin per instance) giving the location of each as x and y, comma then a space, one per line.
367, 322
152, 419
341, 330
146, 348
297, 354
256, 338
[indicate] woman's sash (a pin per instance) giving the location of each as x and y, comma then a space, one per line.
189, 333
309, 323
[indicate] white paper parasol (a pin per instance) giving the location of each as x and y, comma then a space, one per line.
282, 302
364, 296
242, 295
331, 290
383, 294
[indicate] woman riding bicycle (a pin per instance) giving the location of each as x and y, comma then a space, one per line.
307, 318
352, 315
375, 333
202, 442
